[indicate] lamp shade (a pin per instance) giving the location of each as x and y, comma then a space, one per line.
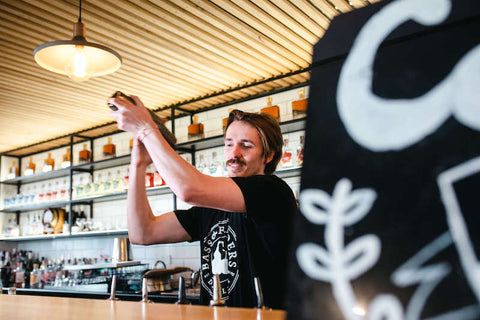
77, 58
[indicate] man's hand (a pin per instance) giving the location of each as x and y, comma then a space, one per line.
140, 156
131, 117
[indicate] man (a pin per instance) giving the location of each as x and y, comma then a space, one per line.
242, 222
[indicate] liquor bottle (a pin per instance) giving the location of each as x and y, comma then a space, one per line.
286, 161
99, 186
202, 165
225, 120
117, 183
35, 277
300, 151
299, 107
79, 188
15, 228
195, 130
109, 150
215, 169
13, 171
125, 180
149, 177
48, 193
8, 228
108, 184
33, 195
66, 159
19, 275
26, 195
55, 191
41, 194
48, 164
63, 195
19, 197
158, 180
89, 188
84, 155
271, 109
30, 169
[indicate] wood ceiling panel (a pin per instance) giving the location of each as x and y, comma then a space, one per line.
196, 53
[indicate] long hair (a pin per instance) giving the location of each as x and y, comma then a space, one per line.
269, 132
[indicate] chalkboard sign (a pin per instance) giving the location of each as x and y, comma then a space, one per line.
389, 216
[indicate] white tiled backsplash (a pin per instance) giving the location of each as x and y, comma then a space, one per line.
112, 215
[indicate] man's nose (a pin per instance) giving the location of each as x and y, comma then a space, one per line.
236, 151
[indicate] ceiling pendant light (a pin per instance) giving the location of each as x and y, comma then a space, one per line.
77, 58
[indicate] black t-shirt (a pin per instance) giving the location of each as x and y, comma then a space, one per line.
228, 239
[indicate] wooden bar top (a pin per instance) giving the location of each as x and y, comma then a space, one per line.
55, 308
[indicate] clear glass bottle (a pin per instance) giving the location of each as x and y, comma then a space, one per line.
30, 168
158, 180
48, 193
117, 184
41, 193
8, 228
300, 151
63, 194
215, 169
99, 185
34, 195
286, 161
149, 177
110, 149
55, 191
13, 171
84, 155
202, 165
195, 130
89, 189
19, 275
108, 184
272, 110
125, 180
35, 277
15, 228
79, 188
299, 107
48, 163
26, 195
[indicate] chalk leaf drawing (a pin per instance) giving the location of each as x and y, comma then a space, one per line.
379, 124
338, 264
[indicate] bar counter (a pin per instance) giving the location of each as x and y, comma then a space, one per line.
55, 308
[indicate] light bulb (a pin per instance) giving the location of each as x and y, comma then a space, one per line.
77, 67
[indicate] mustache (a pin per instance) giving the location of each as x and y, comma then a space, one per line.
235, 161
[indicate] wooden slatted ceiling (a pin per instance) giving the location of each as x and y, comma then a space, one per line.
173, 51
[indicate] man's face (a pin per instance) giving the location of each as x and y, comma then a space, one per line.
243, 150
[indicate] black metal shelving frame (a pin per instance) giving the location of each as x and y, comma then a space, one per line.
75, 138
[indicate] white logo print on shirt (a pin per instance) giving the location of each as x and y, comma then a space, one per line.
219, 256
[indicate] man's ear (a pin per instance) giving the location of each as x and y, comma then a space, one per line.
269, 158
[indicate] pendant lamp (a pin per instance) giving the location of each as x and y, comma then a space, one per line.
77, 58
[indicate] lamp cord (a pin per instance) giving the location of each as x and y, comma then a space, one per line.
80, 12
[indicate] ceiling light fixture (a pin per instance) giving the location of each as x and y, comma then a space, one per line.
77, 58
